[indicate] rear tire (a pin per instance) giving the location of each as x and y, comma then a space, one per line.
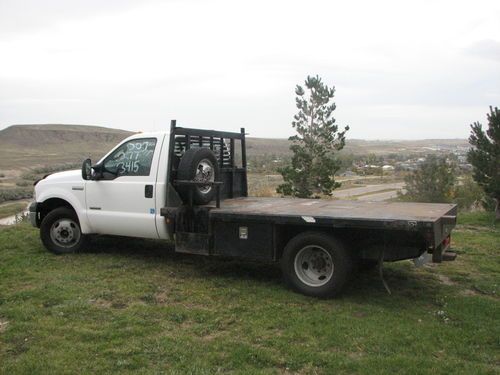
60, 232
199, 164
316, 264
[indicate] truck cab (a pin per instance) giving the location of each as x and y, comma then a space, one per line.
189, 186
119, 198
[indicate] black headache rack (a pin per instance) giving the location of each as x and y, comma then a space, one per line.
232, 162
189, 222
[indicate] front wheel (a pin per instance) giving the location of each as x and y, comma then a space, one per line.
316, 264
60, 231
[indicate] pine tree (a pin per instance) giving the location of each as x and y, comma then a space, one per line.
432, 182
318, 139
485, 156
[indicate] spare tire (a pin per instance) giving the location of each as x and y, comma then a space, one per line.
198, 164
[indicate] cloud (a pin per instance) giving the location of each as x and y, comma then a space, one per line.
24, 16
486, 49
426, 68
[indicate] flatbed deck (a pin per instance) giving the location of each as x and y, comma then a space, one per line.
333, 209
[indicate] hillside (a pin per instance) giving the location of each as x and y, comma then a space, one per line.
23, 146
37, 145
29, 135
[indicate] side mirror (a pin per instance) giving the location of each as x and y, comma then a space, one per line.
97, 172
87, 169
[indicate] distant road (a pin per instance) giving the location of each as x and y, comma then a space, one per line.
379, 197
375, 193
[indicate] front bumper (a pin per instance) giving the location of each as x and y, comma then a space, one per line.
33, 214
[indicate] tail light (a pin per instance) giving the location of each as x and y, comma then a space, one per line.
446, 242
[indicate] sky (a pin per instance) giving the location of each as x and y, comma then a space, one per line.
401, 69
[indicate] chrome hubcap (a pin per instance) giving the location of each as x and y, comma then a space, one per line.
205, 173
313, 265
65, 232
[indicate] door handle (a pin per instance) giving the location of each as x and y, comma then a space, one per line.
148, 191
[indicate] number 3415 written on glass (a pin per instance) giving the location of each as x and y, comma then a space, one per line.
131, 166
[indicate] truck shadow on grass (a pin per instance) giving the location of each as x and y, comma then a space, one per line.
403, 279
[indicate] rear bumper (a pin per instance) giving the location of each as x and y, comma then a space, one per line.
33, 213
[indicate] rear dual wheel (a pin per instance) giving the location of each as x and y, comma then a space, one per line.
316, 264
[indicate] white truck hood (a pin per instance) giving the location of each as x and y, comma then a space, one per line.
66, 176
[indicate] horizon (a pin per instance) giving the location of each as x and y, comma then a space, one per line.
247, 133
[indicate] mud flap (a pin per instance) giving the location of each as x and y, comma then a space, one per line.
422, 260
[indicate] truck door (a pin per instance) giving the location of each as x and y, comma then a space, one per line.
122, 202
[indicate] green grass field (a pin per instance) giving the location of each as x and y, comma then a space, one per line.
131, 306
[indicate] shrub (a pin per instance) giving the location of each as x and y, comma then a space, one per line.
432, 182
15, 194
468, 194
29, 176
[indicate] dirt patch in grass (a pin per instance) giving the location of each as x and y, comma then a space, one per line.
102, 303
161, 297
213, 336
445, 280
469, 293
474, 228
3, 325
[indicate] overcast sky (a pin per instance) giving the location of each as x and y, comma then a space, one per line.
402, 69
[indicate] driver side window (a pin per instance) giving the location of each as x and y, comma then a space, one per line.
133, 158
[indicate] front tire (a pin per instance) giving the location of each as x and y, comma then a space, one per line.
60, 232
316, 264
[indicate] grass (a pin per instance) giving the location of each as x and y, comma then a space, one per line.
263, 185
12, 208
133, 306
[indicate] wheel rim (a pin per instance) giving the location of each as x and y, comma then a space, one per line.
313, 266
205, 173
65, 233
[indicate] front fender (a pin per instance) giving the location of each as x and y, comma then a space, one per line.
78, 204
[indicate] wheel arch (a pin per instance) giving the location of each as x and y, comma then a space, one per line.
51, 204
47, 203
285, 233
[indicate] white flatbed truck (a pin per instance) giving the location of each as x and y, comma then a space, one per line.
189, 186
